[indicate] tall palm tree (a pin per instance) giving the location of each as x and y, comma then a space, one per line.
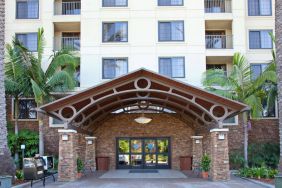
58, 77
238, 85
6, 163
278, 35
17, 83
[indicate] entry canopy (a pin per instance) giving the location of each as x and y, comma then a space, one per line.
142, 91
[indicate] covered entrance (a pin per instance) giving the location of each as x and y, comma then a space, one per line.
187, 118
143, 153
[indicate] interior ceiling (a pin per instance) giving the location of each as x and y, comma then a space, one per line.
142, 91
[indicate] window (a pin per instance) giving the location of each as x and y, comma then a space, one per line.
54, 122
115, 32
260, 39
29, 40
27, 9
170, 2
172, 67
114, 3
171, 31
231, 121
114, 67
260, 8
77, 76
256, 71
26, 109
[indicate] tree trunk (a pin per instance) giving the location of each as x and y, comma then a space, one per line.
245, 127
278, 36
16, 113
7, 165
41, 133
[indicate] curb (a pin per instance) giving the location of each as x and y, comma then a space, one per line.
258, 183
25, 184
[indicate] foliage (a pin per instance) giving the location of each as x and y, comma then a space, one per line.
206, 163
26, 137
80, 165
19, 175
56, 162
236, 160
258, 172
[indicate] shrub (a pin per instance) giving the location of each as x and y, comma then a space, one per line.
236, 160
19, 175
80, 165
258, 172
206, 163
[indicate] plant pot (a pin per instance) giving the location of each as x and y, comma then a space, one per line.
79, 175
205, 175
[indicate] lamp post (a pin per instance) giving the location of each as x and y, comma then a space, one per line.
23, 148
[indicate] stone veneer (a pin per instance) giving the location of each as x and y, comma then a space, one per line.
162, 125
197, 150
90, 153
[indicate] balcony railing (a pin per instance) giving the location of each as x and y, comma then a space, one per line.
70, 43
219, 41
218, 6
67, 8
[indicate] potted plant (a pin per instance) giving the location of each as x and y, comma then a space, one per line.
80, 167
205, 165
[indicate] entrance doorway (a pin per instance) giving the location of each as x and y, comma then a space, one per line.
143, 153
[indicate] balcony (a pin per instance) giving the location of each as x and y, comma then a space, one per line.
219, 41
218, 6
67, 8
70, 43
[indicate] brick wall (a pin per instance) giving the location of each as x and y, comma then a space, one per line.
162, 125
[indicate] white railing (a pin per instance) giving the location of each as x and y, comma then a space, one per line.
219, 41
67, 8
70, 43
218, 6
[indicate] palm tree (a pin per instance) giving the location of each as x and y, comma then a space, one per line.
238, 85
278, 34
58, 77
6, 162
17, 83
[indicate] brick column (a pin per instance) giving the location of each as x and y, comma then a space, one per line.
219, 155
67, 167
90, 153
197, 150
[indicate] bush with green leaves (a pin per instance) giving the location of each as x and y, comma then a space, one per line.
206, 163
19, 175
80, 165
258, 172
236, 159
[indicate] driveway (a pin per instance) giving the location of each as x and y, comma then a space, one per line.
96, 182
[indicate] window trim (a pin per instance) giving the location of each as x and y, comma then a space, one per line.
182, 4
13, 110
103, 5
110, 22
170, 57
55, 125
170, 21
232, 124
38, 12
26, 33
259, 30
271, 11
112, 58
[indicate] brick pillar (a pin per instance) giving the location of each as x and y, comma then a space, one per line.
219, 155
90, 153
197, 150
67, 167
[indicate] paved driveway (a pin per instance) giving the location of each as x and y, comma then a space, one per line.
96, 182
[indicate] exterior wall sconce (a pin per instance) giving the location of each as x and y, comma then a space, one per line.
65, 137
89, 142
221, 137
197, 141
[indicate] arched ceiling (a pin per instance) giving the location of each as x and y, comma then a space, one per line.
140, 91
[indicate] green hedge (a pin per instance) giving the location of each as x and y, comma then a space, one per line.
261, 172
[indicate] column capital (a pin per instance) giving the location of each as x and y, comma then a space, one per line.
90, 138
219, 130
197, 137
67, 131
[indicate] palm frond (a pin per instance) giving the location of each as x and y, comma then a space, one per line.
61, 80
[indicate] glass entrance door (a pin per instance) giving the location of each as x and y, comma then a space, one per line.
143, 153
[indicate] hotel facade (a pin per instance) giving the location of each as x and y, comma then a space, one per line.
151, 44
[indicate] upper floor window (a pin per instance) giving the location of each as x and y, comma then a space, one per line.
29, 40
172, 67
260, 8
170, 2
260, 39
27, 9
171, 31
257, 70
114, 67
115, 32
26, 109
114, 3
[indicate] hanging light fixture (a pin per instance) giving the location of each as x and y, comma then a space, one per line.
143, 120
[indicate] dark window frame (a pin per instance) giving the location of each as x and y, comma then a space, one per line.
115, 59
184, 72
171, 5
103, 4
271, 11
27, 46
269, 31
26, 113
104, 41
18, 18
171, 21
